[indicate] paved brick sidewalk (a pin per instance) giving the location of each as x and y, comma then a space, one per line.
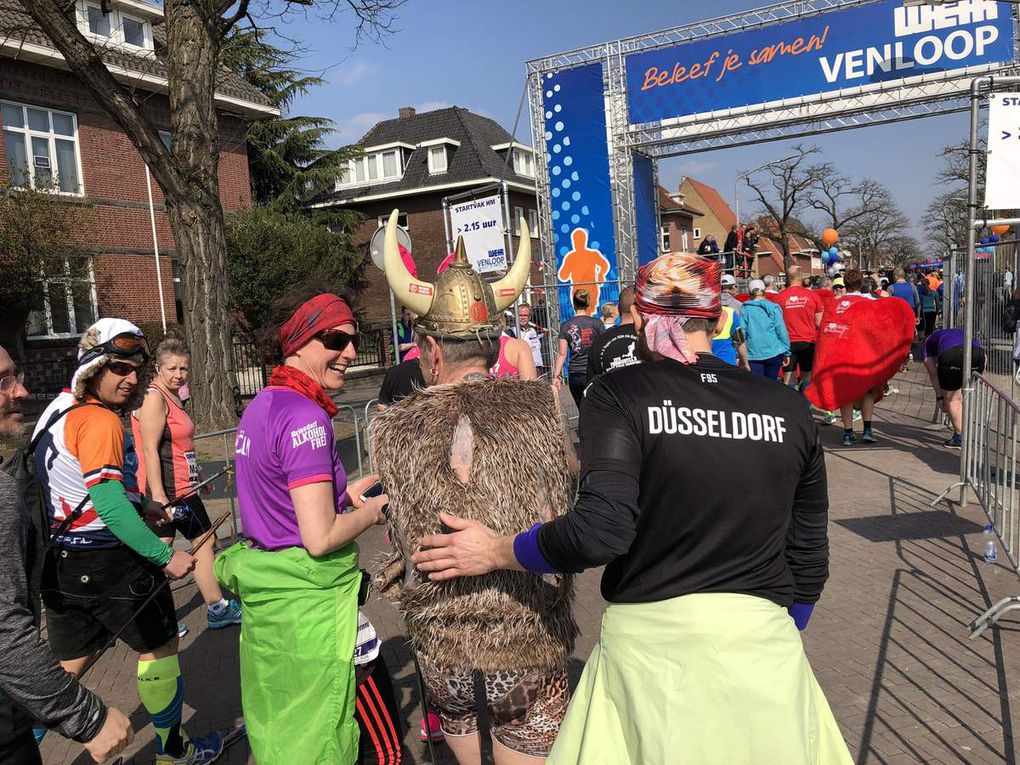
888, 642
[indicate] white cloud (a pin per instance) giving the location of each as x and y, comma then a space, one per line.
354, 74
696, 167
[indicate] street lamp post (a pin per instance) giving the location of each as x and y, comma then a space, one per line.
745, 174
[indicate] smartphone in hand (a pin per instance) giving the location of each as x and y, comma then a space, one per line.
374, 491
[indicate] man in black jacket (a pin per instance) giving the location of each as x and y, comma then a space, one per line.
710, 571
33, 686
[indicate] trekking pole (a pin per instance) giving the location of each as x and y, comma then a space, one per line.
424, 706
166, 581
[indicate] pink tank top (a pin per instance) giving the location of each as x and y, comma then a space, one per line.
503, 367
177, 461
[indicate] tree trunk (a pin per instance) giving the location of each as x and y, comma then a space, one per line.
196, 215
784, 241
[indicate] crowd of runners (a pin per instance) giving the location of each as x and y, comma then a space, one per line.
682, 377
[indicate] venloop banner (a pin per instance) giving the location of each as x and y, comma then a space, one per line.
862, 45
1002, 173
581, 200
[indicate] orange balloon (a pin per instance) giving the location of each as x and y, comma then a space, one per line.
829, 237
1000, 230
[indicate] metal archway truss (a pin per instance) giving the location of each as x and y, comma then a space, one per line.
898, 100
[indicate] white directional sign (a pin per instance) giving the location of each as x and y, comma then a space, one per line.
480, 222
1002, 189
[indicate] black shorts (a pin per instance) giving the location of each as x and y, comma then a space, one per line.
89, 595
949, 367
801, 355
190, 519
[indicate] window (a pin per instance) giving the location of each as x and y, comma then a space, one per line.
42, 148
664, 239
68, 301
114, 27
372, 168
697, 233
533, 223
437, 159
401, 220
167, 139
524, 162
99, 22
518, 214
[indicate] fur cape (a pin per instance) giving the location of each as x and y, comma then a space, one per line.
505, 620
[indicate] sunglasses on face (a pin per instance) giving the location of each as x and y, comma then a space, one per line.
337, 340
121, 368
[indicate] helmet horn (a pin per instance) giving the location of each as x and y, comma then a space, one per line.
506, 290
411, 292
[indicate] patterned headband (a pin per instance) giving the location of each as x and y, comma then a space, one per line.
680, 285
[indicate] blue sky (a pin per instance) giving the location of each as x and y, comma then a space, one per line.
472, 54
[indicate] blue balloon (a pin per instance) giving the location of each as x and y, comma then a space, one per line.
994, 238
983, 240
834, 250
837, 258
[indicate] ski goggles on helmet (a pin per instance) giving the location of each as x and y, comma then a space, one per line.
125, 346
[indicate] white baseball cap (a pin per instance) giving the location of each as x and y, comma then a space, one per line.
727, 280
756, 285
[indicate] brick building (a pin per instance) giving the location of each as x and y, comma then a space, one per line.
803, 253
718, 218
678, 222
412, 163
55, 132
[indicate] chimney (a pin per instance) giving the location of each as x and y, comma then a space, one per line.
405, 111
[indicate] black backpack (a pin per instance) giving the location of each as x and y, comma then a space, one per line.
1011, 317
21, 467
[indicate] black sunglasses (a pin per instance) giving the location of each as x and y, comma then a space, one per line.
121, 368
337, 340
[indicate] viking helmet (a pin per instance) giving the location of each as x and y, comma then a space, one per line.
460, 305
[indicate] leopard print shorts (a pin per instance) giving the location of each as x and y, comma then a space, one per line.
525, 707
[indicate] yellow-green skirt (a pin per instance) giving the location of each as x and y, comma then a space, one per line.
707, 679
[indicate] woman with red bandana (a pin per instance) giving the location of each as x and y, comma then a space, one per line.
297, 571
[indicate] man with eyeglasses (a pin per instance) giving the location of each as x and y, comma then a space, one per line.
104, 562
33, 686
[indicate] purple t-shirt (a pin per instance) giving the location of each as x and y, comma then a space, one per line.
942, 340
284, 440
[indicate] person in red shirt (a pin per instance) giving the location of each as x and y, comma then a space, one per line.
802, 313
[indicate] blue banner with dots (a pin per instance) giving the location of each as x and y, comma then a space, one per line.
580, 196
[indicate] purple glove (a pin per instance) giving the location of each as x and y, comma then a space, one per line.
801, 613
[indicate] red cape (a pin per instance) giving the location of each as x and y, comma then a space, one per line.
861, 345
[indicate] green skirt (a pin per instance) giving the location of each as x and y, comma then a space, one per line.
297, 651
701, 679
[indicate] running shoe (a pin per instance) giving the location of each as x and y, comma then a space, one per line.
849, 439
182, 629
435, 729
868, 437
829, 418
231, 614
956, 442
857, 415
200, 751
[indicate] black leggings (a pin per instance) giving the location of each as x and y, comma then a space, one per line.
576, 383
929, 322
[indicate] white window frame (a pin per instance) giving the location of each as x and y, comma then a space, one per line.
382, 220
664, 241
533, 223
371, 163
51, 138
435, 168
517, 215
68, 281
524, 162
696, 233
116, 38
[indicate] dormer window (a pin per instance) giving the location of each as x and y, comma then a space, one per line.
379, 164
118, 27
437, 160
524, 162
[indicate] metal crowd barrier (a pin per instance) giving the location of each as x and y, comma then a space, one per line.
228, 437
990, 458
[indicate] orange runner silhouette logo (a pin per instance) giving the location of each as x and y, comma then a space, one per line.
584, 267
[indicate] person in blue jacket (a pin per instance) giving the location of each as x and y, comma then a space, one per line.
768, 342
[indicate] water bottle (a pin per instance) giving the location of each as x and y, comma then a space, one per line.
910, 358
991, 549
